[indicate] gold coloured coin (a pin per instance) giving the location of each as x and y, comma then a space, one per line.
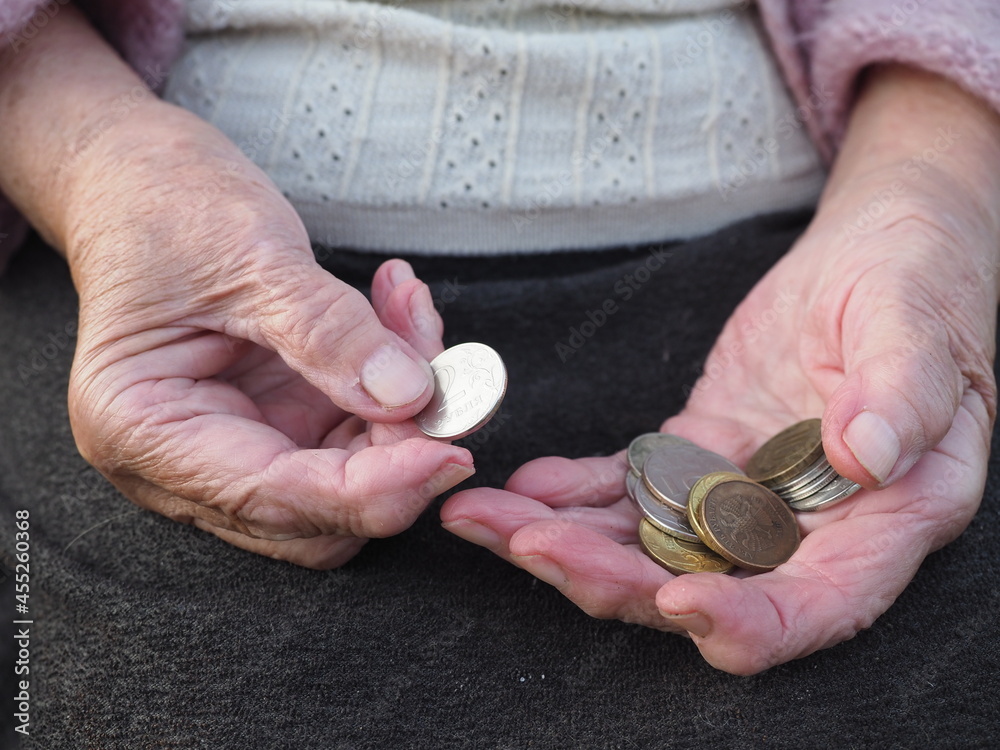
677, 555
697, 497
788, 454
743, 522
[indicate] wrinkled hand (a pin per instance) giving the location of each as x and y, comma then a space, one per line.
887, 333
222, 378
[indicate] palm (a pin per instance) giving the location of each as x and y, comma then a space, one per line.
221, 432
274, 405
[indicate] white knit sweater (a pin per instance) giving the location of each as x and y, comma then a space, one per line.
491, 126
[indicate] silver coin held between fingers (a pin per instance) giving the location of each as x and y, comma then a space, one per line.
470, 381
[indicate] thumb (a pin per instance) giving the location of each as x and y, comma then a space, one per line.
328, 332
899, 397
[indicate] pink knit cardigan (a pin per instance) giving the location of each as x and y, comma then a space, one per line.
821, 46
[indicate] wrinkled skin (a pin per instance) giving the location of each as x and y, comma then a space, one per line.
223, 379
899, 320
218, 365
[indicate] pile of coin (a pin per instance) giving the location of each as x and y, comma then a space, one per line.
701, 513
793, 465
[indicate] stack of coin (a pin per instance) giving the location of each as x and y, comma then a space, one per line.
700, 513
743, 521
793, 465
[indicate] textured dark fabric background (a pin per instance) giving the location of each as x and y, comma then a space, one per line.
150, 634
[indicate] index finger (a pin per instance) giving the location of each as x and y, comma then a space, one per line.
559, 482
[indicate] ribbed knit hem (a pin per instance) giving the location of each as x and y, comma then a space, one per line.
468, 232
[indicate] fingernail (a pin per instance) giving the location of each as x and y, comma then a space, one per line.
474, 532
543, 569
392, 378
423, 314
874, 443
399, 272
696, 623
447, 477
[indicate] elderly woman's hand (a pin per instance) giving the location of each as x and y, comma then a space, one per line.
221, 377
881, 319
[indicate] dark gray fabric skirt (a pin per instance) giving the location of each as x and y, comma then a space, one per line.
151, 634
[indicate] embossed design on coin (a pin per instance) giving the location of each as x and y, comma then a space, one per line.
640, 448
697, 498
787, 454
470, 381
744, 522
677, 555
670, 473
